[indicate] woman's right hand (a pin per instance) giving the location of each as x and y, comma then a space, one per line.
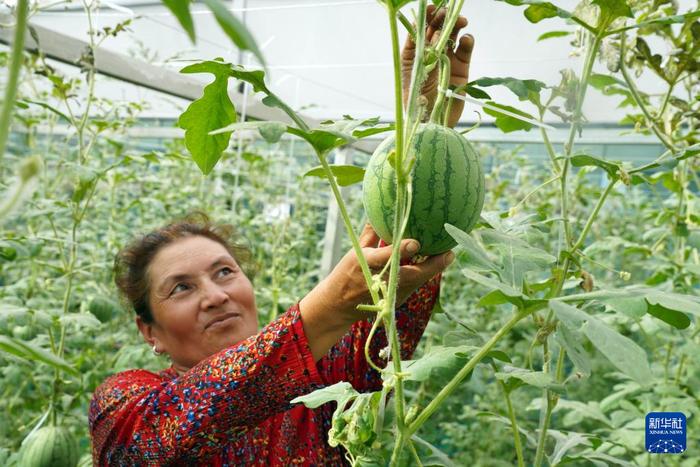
329, 310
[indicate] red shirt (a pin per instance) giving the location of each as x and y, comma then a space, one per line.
233, 408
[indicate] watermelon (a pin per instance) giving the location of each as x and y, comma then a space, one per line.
103, 308
448, 187
50, 446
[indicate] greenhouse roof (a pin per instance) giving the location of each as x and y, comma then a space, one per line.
331, 57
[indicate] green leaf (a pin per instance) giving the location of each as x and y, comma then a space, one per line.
234, 29
323, 141
492, 284
507, 123
365, 132
523, 88
612, 9
29, 352
552, 34
346, 175
634, 307
539, 10
212, 111
672, 317
181, 10
271, 131
564, 444
570, 316
476, 93
255, 78
672, 308
86, 181
572, 342
529, 377
623, 353
599, 81
626, 355
476, 255
445, 359
340, 392
48, 107
347, 125
582, 160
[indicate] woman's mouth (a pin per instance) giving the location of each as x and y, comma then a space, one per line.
222, 321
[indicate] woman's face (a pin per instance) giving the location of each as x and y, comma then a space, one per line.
201, 301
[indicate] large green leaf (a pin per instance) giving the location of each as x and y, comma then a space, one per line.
210, 112
476, 255
32, 353
509, 293
634, 307
256, 78
234, 29
572, 342
623, 353
339, 392
346, 175
181, 10
516, 256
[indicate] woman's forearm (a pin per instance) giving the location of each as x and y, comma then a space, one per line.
324, 322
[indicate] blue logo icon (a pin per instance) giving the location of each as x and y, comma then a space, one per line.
665, 432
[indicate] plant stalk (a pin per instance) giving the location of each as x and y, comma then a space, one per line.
16, 60
513, 420
638, 99
401, 182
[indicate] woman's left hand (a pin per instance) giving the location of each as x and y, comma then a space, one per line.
330, 308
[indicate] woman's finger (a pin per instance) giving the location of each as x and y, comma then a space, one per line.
410, 44
465, 48
378, 257
368, 237
414, 275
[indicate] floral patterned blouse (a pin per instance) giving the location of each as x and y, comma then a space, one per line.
233, 408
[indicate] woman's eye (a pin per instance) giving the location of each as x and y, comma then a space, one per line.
178, 288
225, 271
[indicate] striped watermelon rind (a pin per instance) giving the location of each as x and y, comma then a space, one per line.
447, 185
50, 446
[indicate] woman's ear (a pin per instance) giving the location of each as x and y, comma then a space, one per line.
146, 330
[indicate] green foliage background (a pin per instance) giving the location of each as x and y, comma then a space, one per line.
99, 186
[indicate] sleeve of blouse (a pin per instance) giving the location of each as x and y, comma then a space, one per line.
346, 360
139, 417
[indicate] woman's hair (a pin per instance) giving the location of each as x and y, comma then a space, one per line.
132, 262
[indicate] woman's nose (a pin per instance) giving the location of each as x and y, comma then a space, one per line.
212, 295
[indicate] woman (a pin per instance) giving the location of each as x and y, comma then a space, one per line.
226, 398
